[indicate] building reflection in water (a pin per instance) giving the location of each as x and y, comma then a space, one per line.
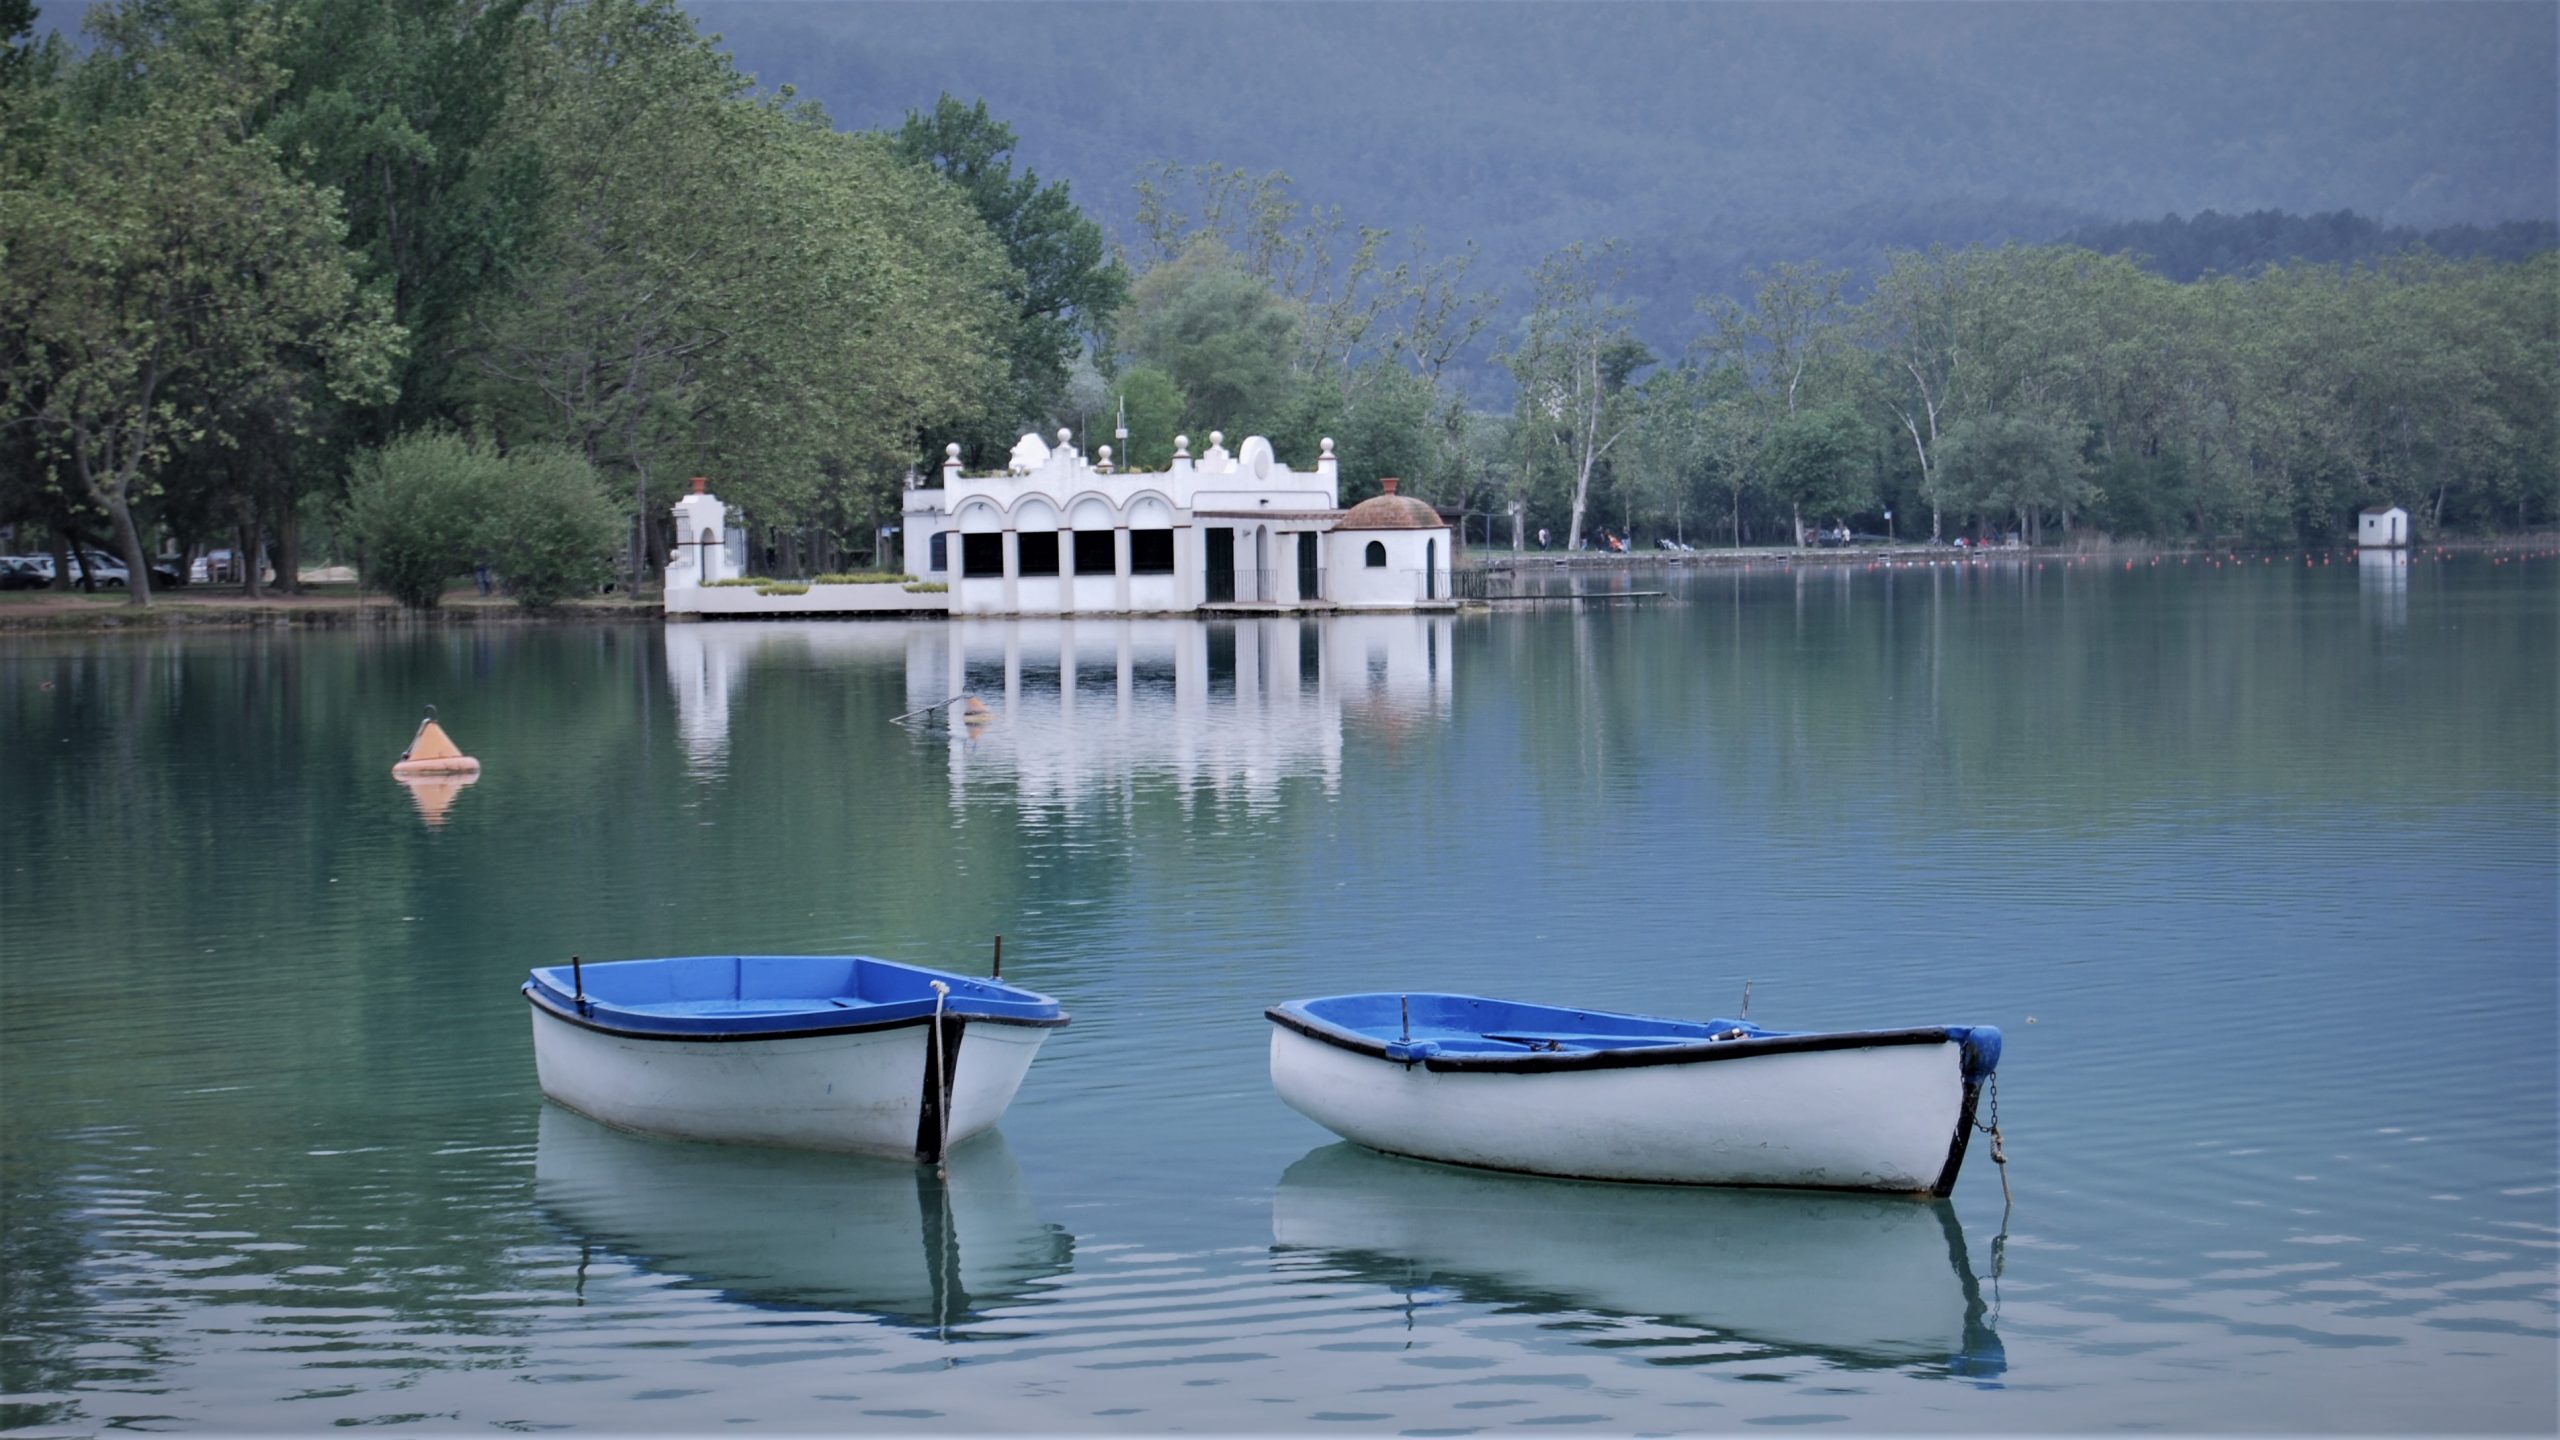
708, 663
1081, 706
2382, 583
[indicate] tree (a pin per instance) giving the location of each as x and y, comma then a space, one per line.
723, 284
1819, 460
1064, 289
1573, 366
163, 271
1225, 339
2020, 466
1914, 320
1155, 405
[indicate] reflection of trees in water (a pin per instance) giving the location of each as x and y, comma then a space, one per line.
44, 1252
1819, 686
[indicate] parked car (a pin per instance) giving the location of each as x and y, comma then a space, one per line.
103, 569
222, 567
19, 572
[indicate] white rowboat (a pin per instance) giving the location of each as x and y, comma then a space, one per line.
1595, 1095
823, 1052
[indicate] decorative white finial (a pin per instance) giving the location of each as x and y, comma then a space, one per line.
1064, 435
1182, 447
1327, 447
951, 451
1106, 455
1217, 438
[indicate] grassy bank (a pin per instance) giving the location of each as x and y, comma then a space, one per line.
322, 606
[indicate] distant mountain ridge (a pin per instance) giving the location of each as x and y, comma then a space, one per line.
1715, 138
2183, 249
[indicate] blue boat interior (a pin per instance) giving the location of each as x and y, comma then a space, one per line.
1419, 1026
733, 993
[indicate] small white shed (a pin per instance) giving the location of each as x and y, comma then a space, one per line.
2382, 527
1389, 552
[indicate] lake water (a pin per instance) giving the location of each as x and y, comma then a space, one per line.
2253, 861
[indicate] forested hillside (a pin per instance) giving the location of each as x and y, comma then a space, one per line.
1714, 138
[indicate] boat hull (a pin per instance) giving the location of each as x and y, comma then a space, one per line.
1886, 1117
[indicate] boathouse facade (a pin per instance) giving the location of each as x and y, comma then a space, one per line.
1058, 534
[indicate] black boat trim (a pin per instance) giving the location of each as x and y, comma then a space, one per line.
1543, 1062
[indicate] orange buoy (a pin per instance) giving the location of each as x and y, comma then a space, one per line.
975, 711
432, 752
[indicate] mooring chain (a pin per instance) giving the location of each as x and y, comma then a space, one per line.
1999, 1155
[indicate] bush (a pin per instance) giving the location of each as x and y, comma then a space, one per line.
783, 588
426, 508
552, 530
736, 580
927, 587
865, 577
413, 510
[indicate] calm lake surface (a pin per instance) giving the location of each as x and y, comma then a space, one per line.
2253, 862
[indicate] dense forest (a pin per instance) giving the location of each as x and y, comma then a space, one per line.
474, 283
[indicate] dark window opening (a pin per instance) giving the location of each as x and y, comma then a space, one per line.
1218, 547
1094, 553
1310, 666
938, 551
1151, 552
1036, 551
981, 556
1376, 555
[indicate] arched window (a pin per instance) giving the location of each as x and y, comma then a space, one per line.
1376, 555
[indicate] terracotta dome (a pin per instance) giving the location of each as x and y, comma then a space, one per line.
1390, 511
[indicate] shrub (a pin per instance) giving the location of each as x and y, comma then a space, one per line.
426, 508
736, 580
552, 529
413, 510
927, 587
865, 577
783, 588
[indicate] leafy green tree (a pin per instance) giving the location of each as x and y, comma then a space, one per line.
1574, 365
2018, 466
1914, 323
163, 271
1155, 406
722, 284
1225, 339
1819, 460
397, 105
1064, 288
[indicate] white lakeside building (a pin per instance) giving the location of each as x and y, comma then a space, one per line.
1058, 535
